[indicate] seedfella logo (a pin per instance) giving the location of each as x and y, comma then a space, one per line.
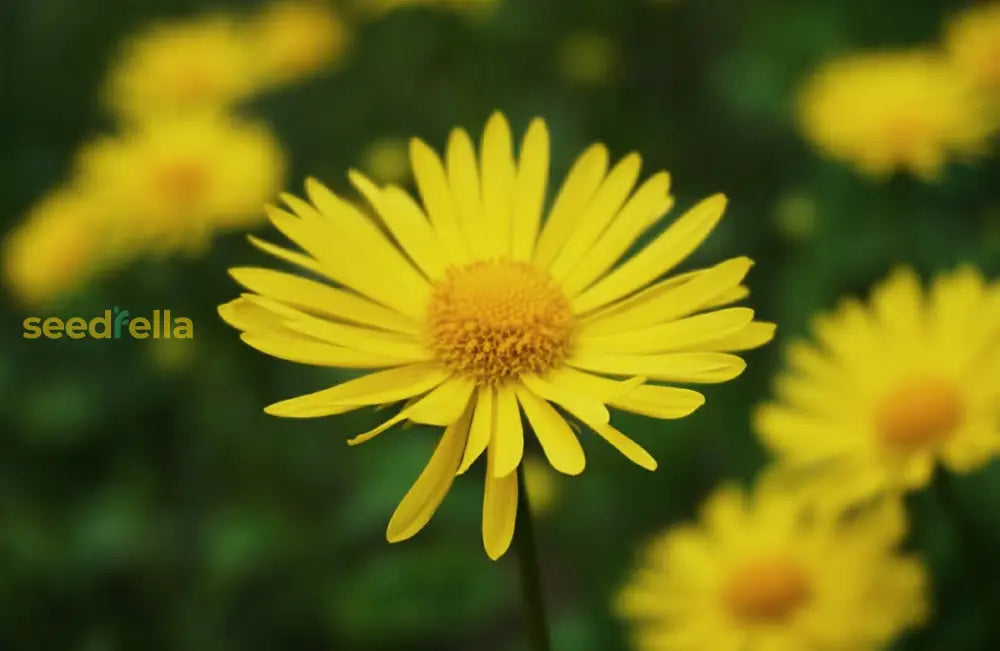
114, 324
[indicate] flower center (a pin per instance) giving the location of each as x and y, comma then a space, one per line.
918, 414
181, 182
494, 320
765, 590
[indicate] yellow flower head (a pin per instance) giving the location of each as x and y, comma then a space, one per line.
893, 111
176, 179
891, 388
973, 42
56, 249
180, 66
476, 311
296, 38
765, 571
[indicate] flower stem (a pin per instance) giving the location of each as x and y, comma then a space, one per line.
531, 585
973, 559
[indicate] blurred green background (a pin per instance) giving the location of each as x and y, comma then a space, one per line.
146, 501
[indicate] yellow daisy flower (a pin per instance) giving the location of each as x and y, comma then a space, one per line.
765, 571
296, 38
176, 179
973, 42
892, 388
183, 65
477, 311
891, 111
55, 250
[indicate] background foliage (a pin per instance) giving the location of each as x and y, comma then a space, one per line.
147, 502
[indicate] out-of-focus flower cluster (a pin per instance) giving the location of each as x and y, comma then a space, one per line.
183, 162
913, 109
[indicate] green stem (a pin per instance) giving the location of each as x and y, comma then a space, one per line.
973, 560
531, 585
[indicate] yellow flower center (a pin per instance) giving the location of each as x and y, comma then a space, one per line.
766, 590
494, 320
181, 182
918, 414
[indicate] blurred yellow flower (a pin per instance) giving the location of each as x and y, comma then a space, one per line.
386, 160
588, 58
891, 111
476, 310
174, 180
56, 249
183, 65
973, 42
892, 388
764, 571
292, 39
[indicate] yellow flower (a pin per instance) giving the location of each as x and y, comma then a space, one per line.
766, 571
973, 42
56, 249
184, 65
386, 160
476, 311
296, 38
890, 389
891, 111
174, 180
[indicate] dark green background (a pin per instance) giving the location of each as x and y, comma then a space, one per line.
143, 508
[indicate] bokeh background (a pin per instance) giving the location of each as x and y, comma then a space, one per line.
146, 501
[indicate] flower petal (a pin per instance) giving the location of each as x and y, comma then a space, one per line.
422, 500
481, 429
508, 434
432, 182
707, 368
375, 388
499, 508
529, 190
656, 259
561, 447
498, 172
683, 334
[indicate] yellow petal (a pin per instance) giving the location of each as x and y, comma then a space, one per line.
294, 257
432, 182
580, 185
375, 388
360, 233
632, 450
427, 493
388, 344
561, 447
508, 435
668, 299
631, 395
481, 429
751, 336
579, 402
683, 334
463, 179
707, 368
656, 259
497, 184
343, 264
407, 223
444, 405
499, 509
651, 201
304, 351
321, 298
529, 192
604, 205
